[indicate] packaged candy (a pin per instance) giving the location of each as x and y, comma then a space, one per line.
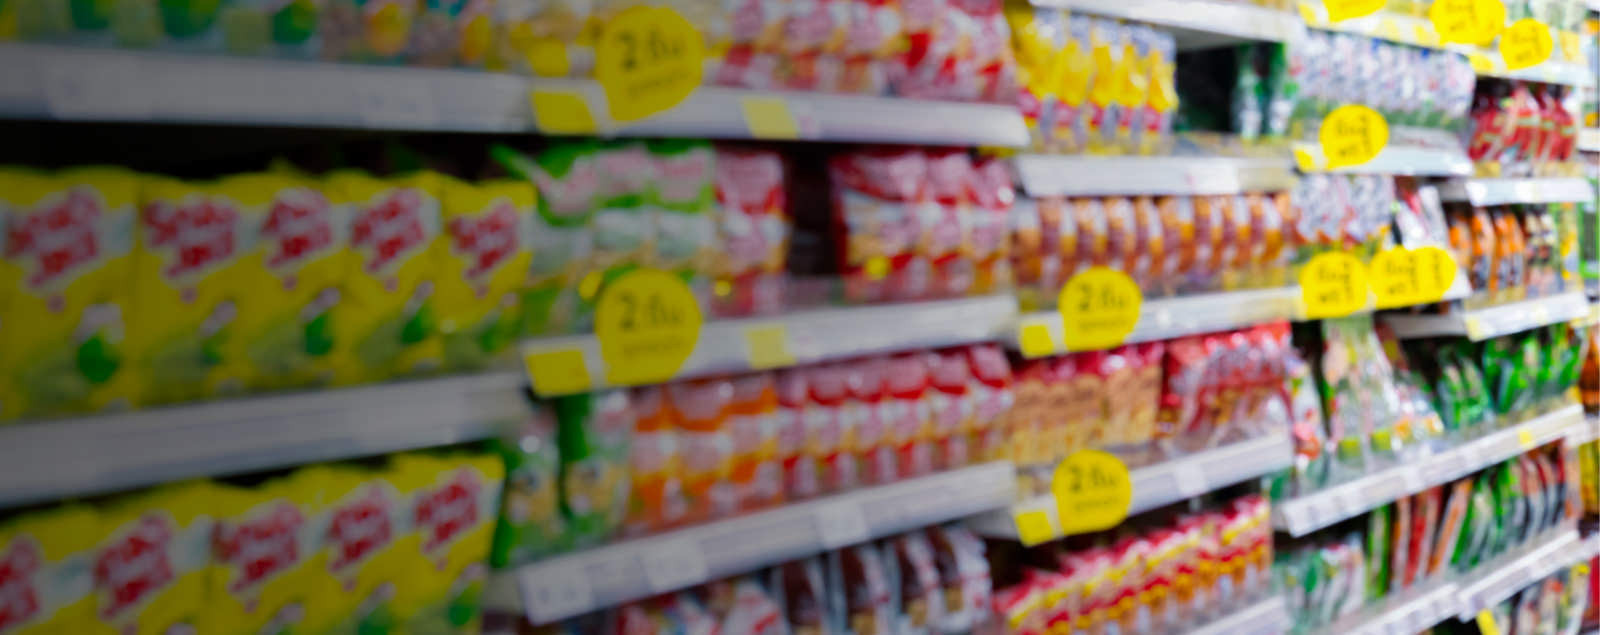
753, 231
828, 435
814, 36
42, 552
364, 517
530, 522
878, 196
869, 440
920, 595
592, 433
802, 595
700, 409
264, 557
655, 464
560, 239
908, 413
800, 475
486, 226
684, 197
451, 514
946, 239
151, 564
964, 575
625, 232
991, 391
951, 407
859, 580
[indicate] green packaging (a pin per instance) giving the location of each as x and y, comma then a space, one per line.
592, 432
530, 521
1379, 523
566, 176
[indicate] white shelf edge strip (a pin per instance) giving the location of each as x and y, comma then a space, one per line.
1484, 192
1589, 139
1512, 572
1166, 318
55, 458
1307, 513
1493, 321
1231, 19
1167, 482
1393, 159
1414, 611
563, 586
1587, 433
818, 335
1087, 175
1265, 617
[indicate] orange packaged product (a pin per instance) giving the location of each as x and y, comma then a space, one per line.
907, 414
1094, 233
655, 465
1273, 218
752, 421
990, 391
1081, 411
1150, 247
1020, 610
1121, 378
1510, 257
1178, 229
1485, 257
1056, 430
951, 407
1459, 223
1244, 248
993, 197
1028, 255
827, 429
706, 445
869, 442
799, 467
1122, 236
1023, 423
1211, 250
1145, 398
1130, 573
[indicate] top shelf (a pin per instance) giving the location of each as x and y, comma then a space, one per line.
1196, 24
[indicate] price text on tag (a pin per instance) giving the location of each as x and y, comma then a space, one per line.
1333, 284
1099, 308
648, 323
1468, 21
1525, 43
1344, 9
648, 59
1402, 277
1092, 490
1352, 135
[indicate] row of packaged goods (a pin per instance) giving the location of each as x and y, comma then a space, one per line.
1444, 533
388, 545
1513, 252
1164, 572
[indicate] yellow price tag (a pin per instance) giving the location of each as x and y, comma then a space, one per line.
1352, 135
1034, 527
1402, 277
648, 59
555, 373
1345, 9
1468, 21
1436, 271
1092, 490
1525, 43
648, 323
1035, 341
1333, 284
768, 346
561, 112
1099, 308
769, 118
1525, 438
1486, 623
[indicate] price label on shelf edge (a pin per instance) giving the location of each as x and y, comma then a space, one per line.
1099, 309
1352, 135
1468, 21
648, 322
1346, 9
1333, 284
648, 59
1526, 43
1093, 491
1402, 277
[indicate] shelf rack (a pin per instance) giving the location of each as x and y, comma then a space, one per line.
1487, 322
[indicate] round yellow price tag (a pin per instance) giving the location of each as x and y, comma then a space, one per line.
1345, 9
1436, 272
1333, 284
1468, 21
1092, 490
1352, 135
648, 322
1099, 308
1395, 280
1525, 43
648, 59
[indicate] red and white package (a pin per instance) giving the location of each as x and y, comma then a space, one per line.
964, 574
800, 478
876, 35
993, 197
868, 439
756, 29
827, 428
877, 198
990, 391
907, 413
753, 231
951, 406
946, 237
752, 423
813, 41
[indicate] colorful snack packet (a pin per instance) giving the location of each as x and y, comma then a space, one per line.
752, 421
530, 522
592, 432
373, 31
365, 517
452, 520
487, 227
152, 562
265, 557
700, 409
752, 231
43, 554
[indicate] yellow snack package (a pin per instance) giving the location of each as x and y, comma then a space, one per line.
152, 563
358, 555
391, 317
44, 571
452, 513
66, 260
487, 226
267, 558
194, 239
297, 272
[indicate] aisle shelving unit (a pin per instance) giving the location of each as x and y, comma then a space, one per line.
1166, 318
1484, 323
1077, 175
1486, 192
1514, 571
572, 584
1304, 514
798, 337
1266, 617
58, 458
1196, 23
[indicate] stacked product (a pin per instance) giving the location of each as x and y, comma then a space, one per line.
1511, 252
1524, 129
1413, 88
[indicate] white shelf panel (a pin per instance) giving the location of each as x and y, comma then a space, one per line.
51, 459
1494, 321
1589, 432
1483, 192
1267, 617
1395, 159
1166, 482
1307, 513
1516, 570
1411, 612
56, 82
1589, 139
819, 334
1084, 175
1196, 23
564, 586
1166, 318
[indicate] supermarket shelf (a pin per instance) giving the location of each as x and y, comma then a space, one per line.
1589, 139
1082, 175
1166, 318
57, 458
1166, 482
1196, 23
56, 82
1412, 612
563, 586
1482, 192
1514, 571
1304, 514
1394, 159
1484, 323
726, 346
1589, 432
1267, 617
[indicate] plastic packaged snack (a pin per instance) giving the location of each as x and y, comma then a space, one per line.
530, 522
41, 550
753, 231
625, 233
452, 519
655, 464
869, 443
262, 556
803, 598
946, 239
987, 223
878, 196
752, 420
683, 198
990, 388
705, 445
828, 436
373, 31
486, 226
920, 596
800, 476
908, 414
964, 575
560, 239
592, 432
950, 408
151, 564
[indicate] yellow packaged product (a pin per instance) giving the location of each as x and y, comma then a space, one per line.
267, 557
152, 563
391, 316
452, 513
66, 260
194, 239
488, 227
358, 553
44, 571
296, 274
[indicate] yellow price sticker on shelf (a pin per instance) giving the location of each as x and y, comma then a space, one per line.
1346, 9
1352, 135
648, 59
1099, 308
1333, 284
1402, 277
1093, 491
1487, 624
1526, 43
768, 346
1525, 438
562, 112
769, 118
1035, 341
1034, 527
1437, 269
1468, 21
648, 323
559, 372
